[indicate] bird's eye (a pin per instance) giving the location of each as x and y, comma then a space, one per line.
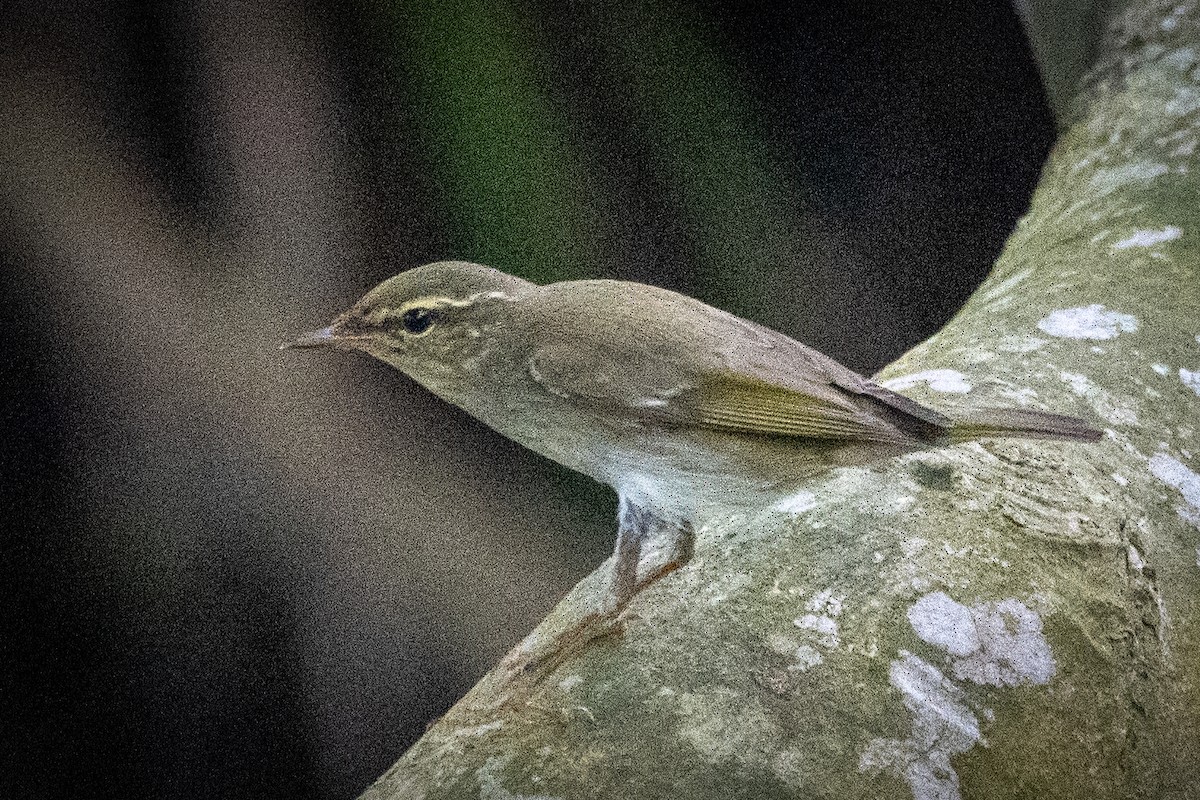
418, 320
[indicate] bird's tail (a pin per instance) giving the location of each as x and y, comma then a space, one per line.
1018, 422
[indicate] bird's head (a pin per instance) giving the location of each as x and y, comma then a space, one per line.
435, 322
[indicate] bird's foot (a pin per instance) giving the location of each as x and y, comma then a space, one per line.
538, 656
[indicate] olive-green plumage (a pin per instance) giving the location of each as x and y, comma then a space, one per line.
679, 406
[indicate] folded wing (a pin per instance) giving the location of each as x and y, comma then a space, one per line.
736, 377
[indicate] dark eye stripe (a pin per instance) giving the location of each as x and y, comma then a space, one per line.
418, 320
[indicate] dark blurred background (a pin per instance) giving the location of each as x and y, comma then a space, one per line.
238, 572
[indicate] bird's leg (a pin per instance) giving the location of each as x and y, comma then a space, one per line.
633, 526
636, 527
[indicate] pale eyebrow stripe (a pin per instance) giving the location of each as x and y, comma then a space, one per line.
381, 315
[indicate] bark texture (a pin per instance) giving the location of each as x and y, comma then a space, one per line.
993, 620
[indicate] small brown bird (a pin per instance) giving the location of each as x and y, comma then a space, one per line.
682, 408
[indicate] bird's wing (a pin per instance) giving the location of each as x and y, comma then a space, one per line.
780, 360
653, 390
737, 376
742, 403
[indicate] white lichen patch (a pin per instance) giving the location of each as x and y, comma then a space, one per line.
1177, 475
941, 621
911, 569
1107, 181
800, 655
1080, 384
1161, 369
942, 726
826, 602
805, 657
820, 629
1107, 406
1189, 515
570, 682
996, 643
797, 503
823, 626
1181, 58
1190, 379
939, 380
714, 593
1088, 322
1185, 100
1149, 238
1018, 395
1005, 286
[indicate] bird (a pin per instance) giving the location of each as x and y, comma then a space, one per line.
685, 410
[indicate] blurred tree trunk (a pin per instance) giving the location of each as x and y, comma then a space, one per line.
1064, 36
1005, 619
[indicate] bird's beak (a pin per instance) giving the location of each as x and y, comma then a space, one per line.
335, 336
322, 338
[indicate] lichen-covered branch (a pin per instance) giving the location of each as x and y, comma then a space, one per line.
1002, 619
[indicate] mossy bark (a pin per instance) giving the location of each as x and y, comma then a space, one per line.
999, 619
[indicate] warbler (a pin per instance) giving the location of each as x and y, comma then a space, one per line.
684, 409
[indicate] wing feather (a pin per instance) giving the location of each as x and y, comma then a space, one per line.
739, 377
722, 401
743, 404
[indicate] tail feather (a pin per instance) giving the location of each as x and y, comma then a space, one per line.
1023, 423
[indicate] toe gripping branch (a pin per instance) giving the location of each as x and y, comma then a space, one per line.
637, 526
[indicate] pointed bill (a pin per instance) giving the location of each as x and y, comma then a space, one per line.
322, 338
